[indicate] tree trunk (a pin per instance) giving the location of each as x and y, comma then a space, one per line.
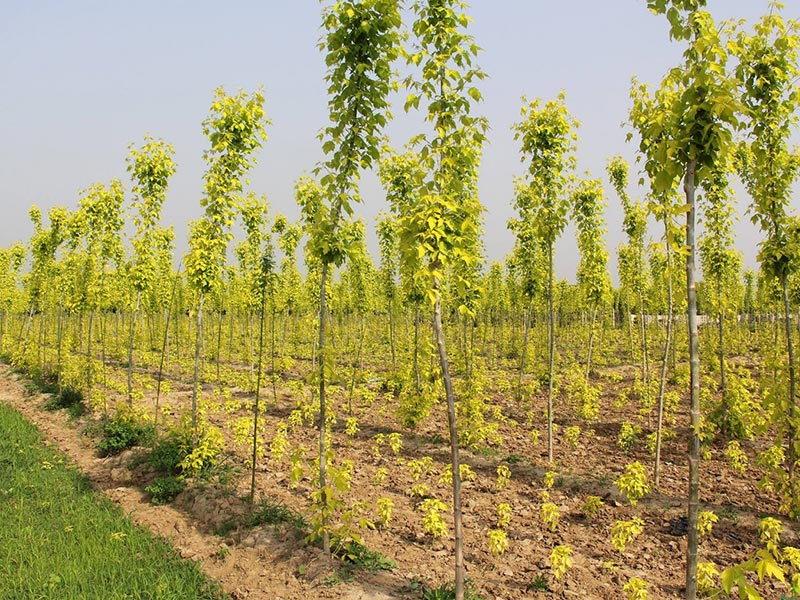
551, 347
694, 378
792, 408
131, 336
323, 474
454, 458
663, 380
198, 342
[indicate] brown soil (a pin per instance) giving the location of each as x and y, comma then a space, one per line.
274, 562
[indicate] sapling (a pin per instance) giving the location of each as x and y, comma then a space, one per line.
624, 532
635, 589
560, 560
498, 541
633, 482
503, 515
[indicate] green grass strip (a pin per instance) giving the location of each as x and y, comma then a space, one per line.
60, 540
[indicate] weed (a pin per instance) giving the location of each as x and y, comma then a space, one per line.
447, 591
540, 584
123, 431
163, 490
274, 512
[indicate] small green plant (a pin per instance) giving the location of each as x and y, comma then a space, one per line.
362, 557
572, 435
419, 467
447, 591
627, 436
707, 578
624, 532
540, 584
351, 427
650, 439
503, 477
534, 436
167, 455
280, 443
635, 589
706, 520
503, 515
122, 431
377, 443
396, 442
498, 541
737, 459
560, 560
769, 532
163, 490
419, 490
432, 520
380, 476
384, 507
549, 479
591, 506
633, 482
550, 515
269, 511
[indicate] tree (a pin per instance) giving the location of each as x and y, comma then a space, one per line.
547, 136
444, 225
362, 41
688, 138
767, 73
721, 265
151, 166
235, 128
593, 278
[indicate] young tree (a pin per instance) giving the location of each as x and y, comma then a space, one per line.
547, 136
444, 225
593, 277
150, 166
235, 128
721, 264
362, 41
767, 73
689, 138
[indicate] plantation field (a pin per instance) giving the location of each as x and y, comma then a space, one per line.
375, 459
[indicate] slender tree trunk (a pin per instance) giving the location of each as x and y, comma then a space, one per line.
131, 337
663, 379
454, 458
591, 342
198, 343
528, 315
417, 377
551, 347
722, 384
256, 407
323, 414
89, 361
792, 408
391, 336
164, 344
694, 377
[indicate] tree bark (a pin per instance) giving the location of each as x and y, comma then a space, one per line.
694, 378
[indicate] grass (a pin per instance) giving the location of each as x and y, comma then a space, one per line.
58, 539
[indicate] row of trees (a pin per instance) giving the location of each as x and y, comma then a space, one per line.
730, 107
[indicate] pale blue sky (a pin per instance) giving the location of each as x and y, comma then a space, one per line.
82, 79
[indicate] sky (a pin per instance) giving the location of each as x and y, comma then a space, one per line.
84, 79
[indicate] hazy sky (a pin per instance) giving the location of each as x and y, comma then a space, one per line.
83, 79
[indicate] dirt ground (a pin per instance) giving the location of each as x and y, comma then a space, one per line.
274, 563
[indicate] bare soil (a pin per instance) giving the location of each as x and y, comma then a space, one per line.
275, 563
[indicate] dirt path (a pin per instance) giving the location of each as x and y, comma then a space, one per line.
258, 569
